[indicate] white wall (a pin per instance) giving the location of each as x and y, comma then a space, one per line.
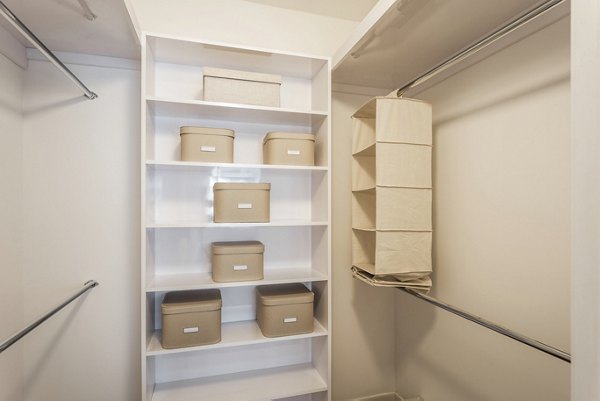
11, 218
81, 222
501, 230
363, 317
585, 91
244, 23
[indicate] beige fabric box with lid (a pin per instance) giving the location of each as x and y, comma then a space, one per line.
237, 261
284, 309
232, 86
241, 202
289, 148
191, 318
202, 144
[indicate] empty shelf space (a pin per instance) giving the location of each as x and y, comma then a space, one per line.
233, 334
200, 109
267, 384
192, 166
187, 224
187, 51
197, 281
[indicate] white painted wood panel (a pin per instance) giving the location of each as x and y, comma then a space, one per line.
12, 296
585, 198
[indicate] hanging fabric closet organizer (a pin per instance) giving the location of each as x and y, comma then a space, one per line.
392, 193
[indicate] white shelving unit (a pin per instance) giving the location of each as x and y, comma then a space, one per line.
177, 223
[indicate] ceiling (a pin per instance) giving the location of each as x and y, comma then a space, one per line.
412, 37
416, 35
354, 10
62, 26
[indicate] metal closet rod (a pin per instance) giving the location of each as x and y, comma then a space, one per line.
12, 18
86, 287
469, 51
555, 352
481, 44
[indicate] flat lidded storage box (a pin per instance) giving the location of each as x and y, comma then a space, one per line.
237, 261
284, 309
191, 318
231, 86
200, 144
241, 202
289, 148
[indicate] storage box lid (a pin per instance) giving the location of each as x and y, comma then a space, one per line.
284, 294
237, 247
241, 75
242, 186
288, 135
191, 301
206, 131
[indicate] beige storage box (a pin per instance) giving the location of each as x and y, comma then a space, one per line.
231, 86
284, 309
199, 144
241, 202
237, 261
289, 148
191, 318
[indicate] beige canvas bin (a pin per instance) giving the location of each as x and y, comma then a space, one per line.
200, 144
289, 149
284, 309
232, 86
241, 202
237, 261
191, 318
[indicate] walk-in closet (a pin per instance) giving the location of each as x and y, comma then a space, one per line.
335, 200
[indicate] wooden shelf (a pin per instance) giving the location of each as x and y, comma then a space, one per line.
265, 384
200, 109
187, 224
198, 281
182, 166
233, 334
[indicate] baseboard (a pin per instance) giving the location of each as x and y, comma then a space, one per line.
387, 397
